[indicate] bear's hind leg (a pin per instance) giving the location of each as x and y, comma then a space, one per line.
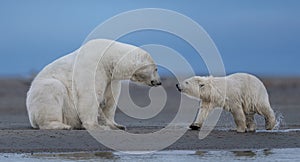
45, 103
55, 125
239, 119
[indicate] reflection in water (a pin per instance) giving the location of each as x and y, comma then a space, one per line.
244, 153
200, 153
106, 155
267, 152
77, 155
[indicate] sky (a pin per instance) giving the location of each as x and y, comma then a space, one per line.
261, 37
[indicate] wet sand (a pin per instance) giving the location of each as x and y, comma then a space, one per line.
16, 135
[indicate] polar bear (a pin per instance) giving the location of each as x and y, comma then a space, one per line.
241, 94
56, 101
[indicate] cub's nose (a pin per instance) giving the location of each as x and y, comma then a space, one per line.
178, 87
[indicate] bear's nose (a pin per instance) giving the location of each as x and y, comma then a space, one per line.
155, 83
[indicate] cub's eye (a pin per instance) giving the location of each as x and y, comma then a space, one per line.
186, 82
201, 85
156, 69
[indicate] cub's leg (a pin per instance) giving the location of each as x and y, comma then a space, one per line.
201, 117
239, 118
268, 113
250, 122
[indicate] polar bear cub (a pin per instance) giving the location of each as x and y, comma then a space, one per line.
241, 94
58, 101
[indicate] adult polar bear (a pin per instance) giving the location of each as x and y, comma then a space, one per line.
240, 93
51, 101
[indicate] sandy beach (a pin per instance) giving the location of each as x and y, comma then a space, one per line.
18, 137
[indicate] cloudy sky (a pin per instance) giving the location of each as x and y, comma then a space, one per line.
258, 36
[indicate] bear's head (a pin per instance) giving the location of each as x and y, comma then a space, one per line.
146, 75
145, 69
196, 87
136, 65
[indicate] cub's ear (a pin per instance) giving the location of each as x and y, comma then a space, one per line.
209, 79
200, 81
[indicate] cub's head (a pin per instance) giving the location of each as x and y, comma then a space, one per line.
196, 87
147, 75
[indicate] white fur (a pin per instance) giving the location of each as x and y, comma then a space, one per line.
241, 94
50, 103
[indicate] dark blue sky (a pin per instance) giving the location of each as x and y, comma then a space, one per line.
257, 36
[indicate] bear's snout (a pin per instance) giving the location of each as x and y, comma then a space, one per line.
155, 83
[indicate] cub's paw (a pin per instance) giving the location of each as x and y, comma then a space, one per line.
195, 126
120, 127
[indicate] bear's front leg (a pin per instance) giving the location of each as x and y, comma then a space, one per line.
111, 94
88, 112
201, 117
91, 123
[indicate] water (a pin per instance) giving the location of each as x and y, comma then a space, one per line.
286, 154
279, 120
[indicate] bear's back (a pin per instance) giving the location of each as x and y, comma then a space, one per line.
249, 85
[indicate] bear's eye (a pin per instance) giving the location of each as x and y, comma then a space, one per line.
201, 85
156, 69
186, 82
142, 76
